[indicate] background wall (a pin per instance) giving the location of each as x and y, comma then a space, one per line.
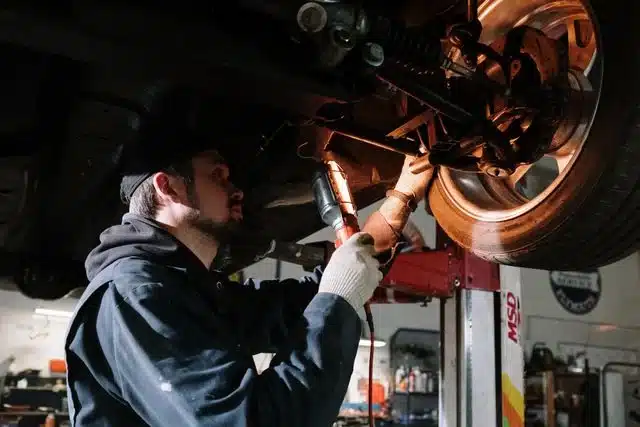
32, 339
615, 322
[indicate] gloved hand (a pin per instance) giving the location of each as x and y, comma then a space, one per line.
352, 272
411, 184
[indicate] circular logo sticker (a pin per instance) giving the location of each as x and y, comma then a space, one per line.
577, 292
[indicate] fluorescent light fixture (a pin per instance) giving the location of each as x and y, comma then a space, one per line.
53, 313
366, 342
51, 318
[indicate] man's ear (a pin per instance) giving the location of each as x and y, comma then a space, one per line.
169, 188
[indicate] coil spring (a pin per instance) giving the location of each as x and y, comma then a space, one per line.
410, 47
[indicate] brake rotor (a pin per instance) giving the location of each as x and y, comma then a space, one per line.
530, 110
529, 58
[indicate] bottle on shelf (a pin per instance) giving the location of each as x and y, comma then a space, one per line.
421, 385
431, 382
425, 381
400, 383
412, 381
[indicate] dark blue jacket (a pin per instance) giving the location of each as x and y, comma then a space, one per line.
159, 340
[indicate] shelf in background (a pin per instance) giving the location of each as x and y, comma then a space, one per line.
417, 393
32, 414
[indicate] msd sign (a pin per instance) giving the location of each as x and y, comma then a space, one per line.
512, 352
512, 302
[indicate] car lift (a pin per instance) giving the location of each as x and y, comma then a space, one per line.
481, 355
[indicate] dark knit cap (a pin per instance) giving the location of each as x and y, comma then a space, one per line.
175, 124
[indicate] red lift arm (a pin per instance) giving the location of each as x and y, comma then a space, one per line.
419, 276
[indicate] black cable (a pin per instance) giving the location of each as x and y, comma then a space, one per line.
369, 318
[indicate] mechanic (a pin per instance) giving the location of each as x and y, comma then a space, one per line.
159, 338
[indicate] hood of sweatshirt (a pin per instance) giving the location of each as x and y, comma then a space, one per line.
140, 237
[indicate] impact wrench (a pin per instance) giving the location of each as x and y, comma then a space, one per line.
337, 209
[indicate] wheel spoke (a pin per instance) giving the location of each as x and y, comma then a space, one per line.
582, 43
520, 172
588, 97
562, 160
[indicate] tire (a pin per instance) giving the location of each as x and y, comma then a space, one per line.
592, 217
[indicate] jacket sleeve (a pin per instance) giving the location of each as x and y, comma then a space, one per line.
277, 306
176, 365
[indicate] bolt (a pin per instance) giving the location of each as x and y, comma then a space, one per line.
373, 54
495, 171
312, 17
457, 283
516, 66
470, 60
343, 37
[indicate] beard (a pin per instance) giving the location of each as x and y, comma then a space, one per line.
221, 232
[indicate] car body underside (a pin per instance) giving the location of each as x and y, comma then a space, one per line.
72, 76
75, 73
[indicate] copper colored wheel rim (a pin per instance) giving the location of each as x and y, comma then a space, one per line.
492, 199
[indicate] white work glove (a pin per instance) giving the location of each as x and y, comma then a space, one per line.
352, 272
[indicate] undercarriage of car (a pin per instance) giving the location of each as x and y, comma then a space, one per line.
530, 130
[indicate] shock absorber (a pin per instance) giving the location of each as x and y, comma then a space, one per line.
414, 48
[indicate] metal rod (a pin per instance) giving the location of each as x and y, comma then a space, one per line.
398, 145
278, 272
411, 124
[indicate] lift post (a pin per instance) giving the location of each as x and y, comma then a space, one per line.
481, 355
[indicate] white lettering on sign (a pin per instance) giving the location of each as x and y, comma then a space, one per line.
574, 280
513, 317
576, 307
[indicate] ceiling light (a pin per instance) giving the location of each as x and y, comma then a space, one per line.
365, 342
50, 318
53, 313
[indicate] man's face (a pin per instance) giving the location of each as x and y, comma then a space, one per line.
216, 202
